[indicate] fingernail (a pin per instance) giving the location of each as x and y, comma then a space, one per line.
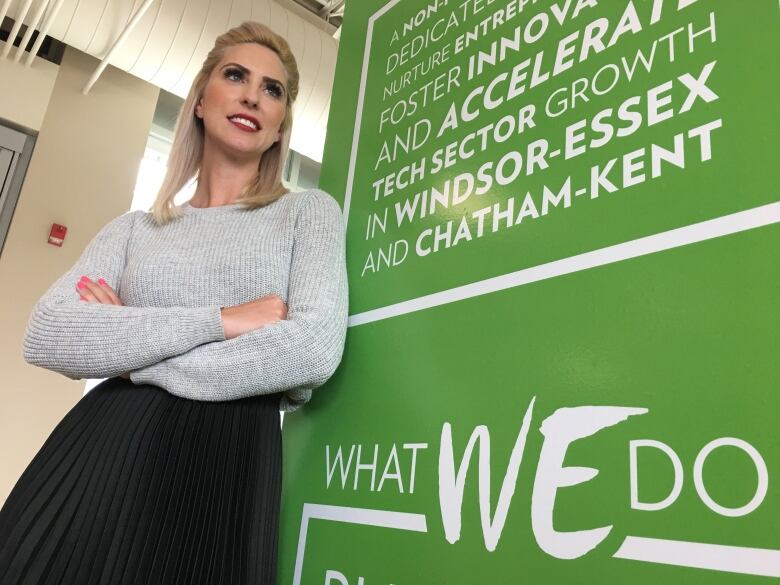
81, 285
101, 281
82, 298
83, 278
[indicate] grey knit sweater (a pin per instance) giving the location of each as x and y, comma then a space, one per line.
173, 279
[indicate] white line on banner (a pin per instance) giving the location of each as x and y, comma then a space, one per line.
359, 113
690, 234
718, 557
364, 516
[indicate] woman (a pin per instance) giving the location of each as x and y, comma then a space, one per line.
219, 312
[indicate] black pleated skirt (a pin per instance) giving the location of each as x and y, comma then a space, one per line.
138, 486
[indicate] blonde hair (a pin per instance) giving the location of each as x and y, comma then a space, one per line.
187, 148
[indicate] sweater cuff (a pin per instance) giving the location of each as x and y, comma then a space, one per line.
214, 329
196, 326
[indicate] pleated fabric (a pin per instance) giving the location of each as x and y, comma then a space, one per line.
138, 486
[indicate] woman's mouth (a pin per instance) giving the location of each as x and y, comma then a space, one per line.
244, 123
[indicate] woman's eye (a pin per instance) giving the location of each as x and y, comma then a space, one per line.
234, 74
274, 89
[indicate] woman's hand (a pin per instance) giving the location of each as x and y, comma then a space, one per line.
253, 315
97, 292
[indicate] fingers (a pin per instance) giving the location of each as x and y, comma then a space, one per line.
110, 291
278, 306
281, 306
99, 292
89, 291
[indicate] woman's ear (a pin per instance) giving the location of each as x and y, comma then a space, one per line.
199, 108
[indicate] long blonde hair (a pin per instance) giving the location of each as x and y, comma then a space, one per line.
187, 148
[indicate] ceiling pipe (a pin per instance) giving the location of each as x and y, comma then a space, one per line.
4, 11
331, 8
15, 30
307, 15
30, 30
43, 32
104, 63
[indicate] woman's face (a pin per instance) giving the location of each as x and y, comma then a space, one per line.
243, 103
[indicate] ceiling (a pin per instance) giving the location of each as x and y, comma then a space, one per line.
171, 38
331, 11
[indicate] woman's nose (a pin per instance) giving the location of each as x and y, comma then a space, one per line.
249, 101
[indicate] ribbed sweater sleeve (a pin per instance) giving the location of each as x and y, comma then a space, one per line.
80, 339
293, 355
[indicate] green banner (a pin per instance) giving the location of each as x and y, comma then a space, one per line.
562, 358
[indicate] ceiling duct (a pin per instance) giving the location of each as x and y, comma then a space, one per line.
43, 46
169, 39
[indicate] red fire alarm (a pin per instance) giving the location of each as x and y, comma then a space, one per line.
57, 234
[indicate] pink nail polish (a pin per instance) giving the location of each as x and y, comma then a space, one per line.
81, 285
101, 281
82, 298
83, 278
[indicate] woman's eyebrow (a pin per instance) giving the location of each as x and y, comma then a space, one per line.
241, 67
245, 70
266, 78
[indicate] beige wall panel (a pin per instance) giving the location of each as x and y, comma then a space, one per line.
26, 90
82, 175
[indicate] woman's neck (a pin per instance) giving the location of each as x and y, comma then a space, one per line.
221, 179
